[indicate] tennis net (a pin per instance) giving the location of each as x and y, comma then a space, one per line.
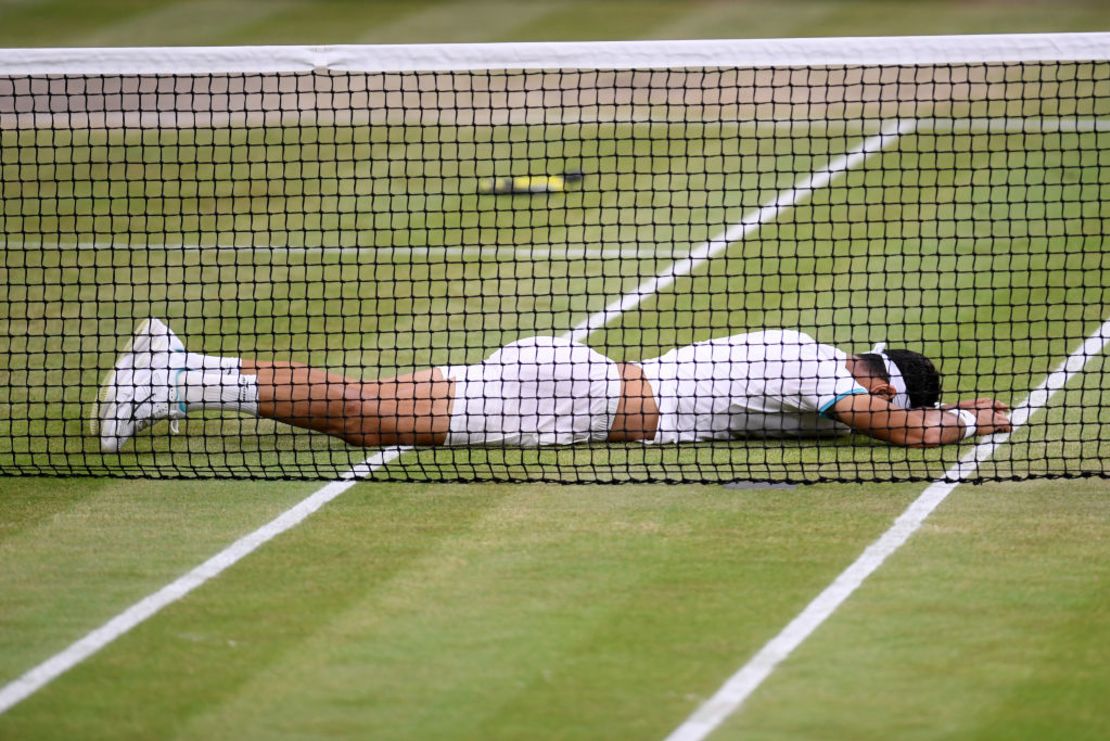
374, 211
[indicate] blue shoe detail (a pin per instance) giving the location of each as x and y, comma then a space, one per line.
182, 407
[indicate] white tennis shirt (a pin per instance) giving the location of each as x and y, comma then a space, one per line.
774, 383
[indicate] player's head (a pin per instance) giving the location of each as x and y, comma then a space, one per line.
906, 369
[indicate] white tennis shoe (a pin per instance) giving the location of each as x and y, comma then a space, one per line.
142, 388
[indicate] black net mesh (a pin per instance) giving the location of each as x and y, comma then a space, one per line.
376, 225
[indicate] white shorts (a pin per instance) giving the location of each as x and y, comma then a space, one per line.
537, 391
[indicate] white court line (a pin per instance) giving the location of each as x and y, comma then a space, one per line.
745, 227
408, 252
33, 680
830, 127
36, 678
495, 252
747, 679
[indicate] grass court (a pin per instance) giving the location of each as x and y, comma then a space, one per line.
435, 610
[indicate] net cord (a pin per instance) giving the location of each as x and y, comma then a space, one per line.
605, 55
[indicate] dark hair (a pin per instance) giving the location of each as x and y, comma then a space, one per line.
921, 376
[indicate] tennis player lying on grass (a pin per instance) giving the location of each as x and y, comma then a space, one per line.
550, 391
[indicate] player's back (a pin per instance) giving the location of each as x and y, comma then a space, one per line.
766, 383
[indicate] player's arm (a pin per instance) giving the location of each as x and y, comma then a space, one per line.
920, 428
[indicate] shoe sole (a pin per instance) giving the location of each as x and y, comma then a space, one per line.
139, 342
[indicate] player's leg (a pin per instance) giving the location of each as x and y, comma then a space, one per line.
157, 378
414, 409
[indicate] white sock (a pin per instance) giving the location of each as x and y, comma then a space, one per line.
216, 389
196, 361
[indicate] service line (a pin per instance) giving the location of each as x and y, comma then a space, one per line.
39, 676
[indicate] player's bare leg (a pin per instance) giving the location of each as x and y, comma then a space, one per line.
413, 409
156, 379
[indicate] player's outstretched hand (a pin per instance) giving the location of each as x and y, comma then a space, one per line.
991, 415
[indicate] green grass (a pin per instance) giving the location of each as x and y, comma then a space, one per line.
989, 624
481, 596
492, 611
424, 610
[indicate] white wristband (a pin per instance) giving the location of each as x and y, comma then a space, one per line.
968, 419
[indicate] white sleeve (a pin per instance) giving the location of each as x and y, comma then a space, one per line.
826, 380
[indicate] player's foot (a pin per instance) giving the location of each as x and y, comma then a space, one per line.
141, 389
